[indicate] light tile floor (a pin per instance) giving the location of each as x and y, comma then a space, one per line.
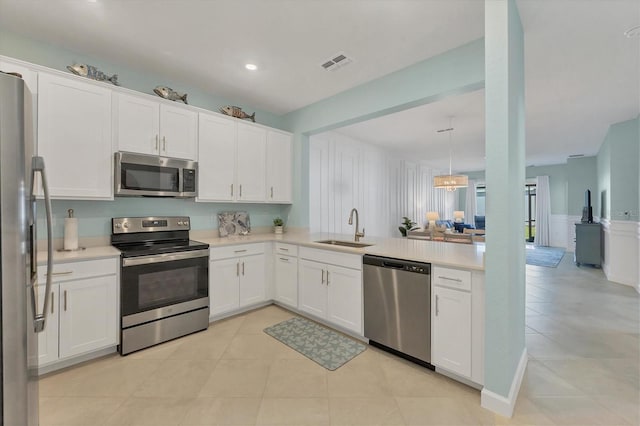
582, 337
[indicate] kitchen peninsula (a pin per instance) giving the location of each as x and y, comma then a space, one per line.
322, 281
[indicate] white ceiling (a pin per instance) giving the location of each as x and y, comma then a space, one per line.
581, 72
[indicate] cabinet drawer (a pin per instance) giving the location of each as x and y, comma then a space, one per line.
352, 261
452, 278
236, 250
78, 270
286, 249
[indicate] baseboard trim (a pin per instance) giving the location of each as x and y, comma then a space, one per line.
498, 403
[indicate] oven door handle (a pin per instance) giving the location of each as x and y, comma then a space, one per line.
164, 257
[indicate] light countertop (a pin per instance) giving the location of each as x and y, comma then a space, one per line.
467, 256
90, 253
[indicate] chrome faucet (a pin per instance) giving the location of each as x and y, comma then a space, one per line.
358, 235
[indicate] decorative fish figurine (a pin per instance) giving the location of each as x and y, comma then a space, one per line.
89, 71
237, 112
169, 93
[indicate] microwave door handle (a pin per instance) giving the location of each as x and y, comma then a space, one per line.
37, 166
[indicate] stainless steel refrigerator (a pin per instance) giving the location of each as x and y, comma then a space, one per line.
19, 320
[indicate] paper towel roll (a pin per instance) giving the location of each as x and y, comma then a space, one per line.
71, 233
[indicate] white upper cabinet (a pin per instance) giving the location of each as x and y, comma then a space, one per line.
233, 157
74, 137
136, 124
147, 126
216, 158
178, 130
251, 167
278, 167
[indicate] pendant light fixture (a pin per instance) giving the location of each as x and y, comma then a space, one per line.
450, 182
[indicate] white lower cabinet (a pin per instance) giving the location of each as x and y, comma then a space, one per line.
48, 338
451, 337
312, 290
236, 277
457, 322
83, 310
286, 280
329, 291
87, 315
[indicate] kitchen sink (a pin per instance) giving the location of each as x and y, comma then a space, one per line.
344, 243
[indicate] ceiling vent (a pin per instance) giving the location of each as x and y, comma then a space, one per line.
338, 61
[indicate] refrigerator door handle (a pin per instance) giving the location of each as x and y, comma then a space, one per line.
37, 166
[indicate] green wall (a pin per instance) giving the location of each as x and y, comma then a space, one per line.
94, 217
619, 171
603, 161
582, 174
567, 183
624, 169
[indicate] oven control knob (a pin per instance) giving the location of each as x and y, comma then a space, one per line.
117, 225
125, 225
186, 223
180, 223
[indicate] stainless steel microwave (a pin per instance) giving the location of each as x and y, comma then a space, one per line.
154, 176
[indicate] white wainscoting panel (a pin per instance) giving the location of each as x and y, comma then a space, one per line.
621, 251
559, 231
346, 174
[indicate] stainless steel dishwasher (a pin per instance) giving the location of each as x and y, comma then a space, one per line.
397, 306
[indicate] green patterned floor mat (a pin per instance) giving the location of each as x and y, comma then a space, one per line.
320, 344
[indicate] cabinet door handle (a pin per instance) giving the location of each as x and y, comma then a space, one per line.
164, 144
240, 190
327, 277
242, 268
237, 269
232, 190
157, 142
458, 280
284, 249
52, 294
272, 192
65, 300
62, 273
284, 259
437, 309
239, 251
322, 280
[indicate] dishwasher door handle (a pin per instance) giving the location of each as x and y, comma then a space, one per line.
393, 265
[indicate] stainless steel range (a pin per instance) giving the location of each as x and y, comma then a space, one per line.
164, 280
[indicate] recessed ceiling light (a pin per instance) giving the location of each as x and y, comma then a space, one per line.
633, 32
251, 67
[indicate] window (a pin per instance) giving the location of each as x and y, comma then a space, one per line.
480, 199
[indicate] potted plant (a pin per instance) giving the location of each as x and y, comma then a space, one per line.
408, 225
278, 225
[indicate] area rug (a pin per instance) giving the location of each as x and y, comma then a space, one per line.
544, 256
326, 347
